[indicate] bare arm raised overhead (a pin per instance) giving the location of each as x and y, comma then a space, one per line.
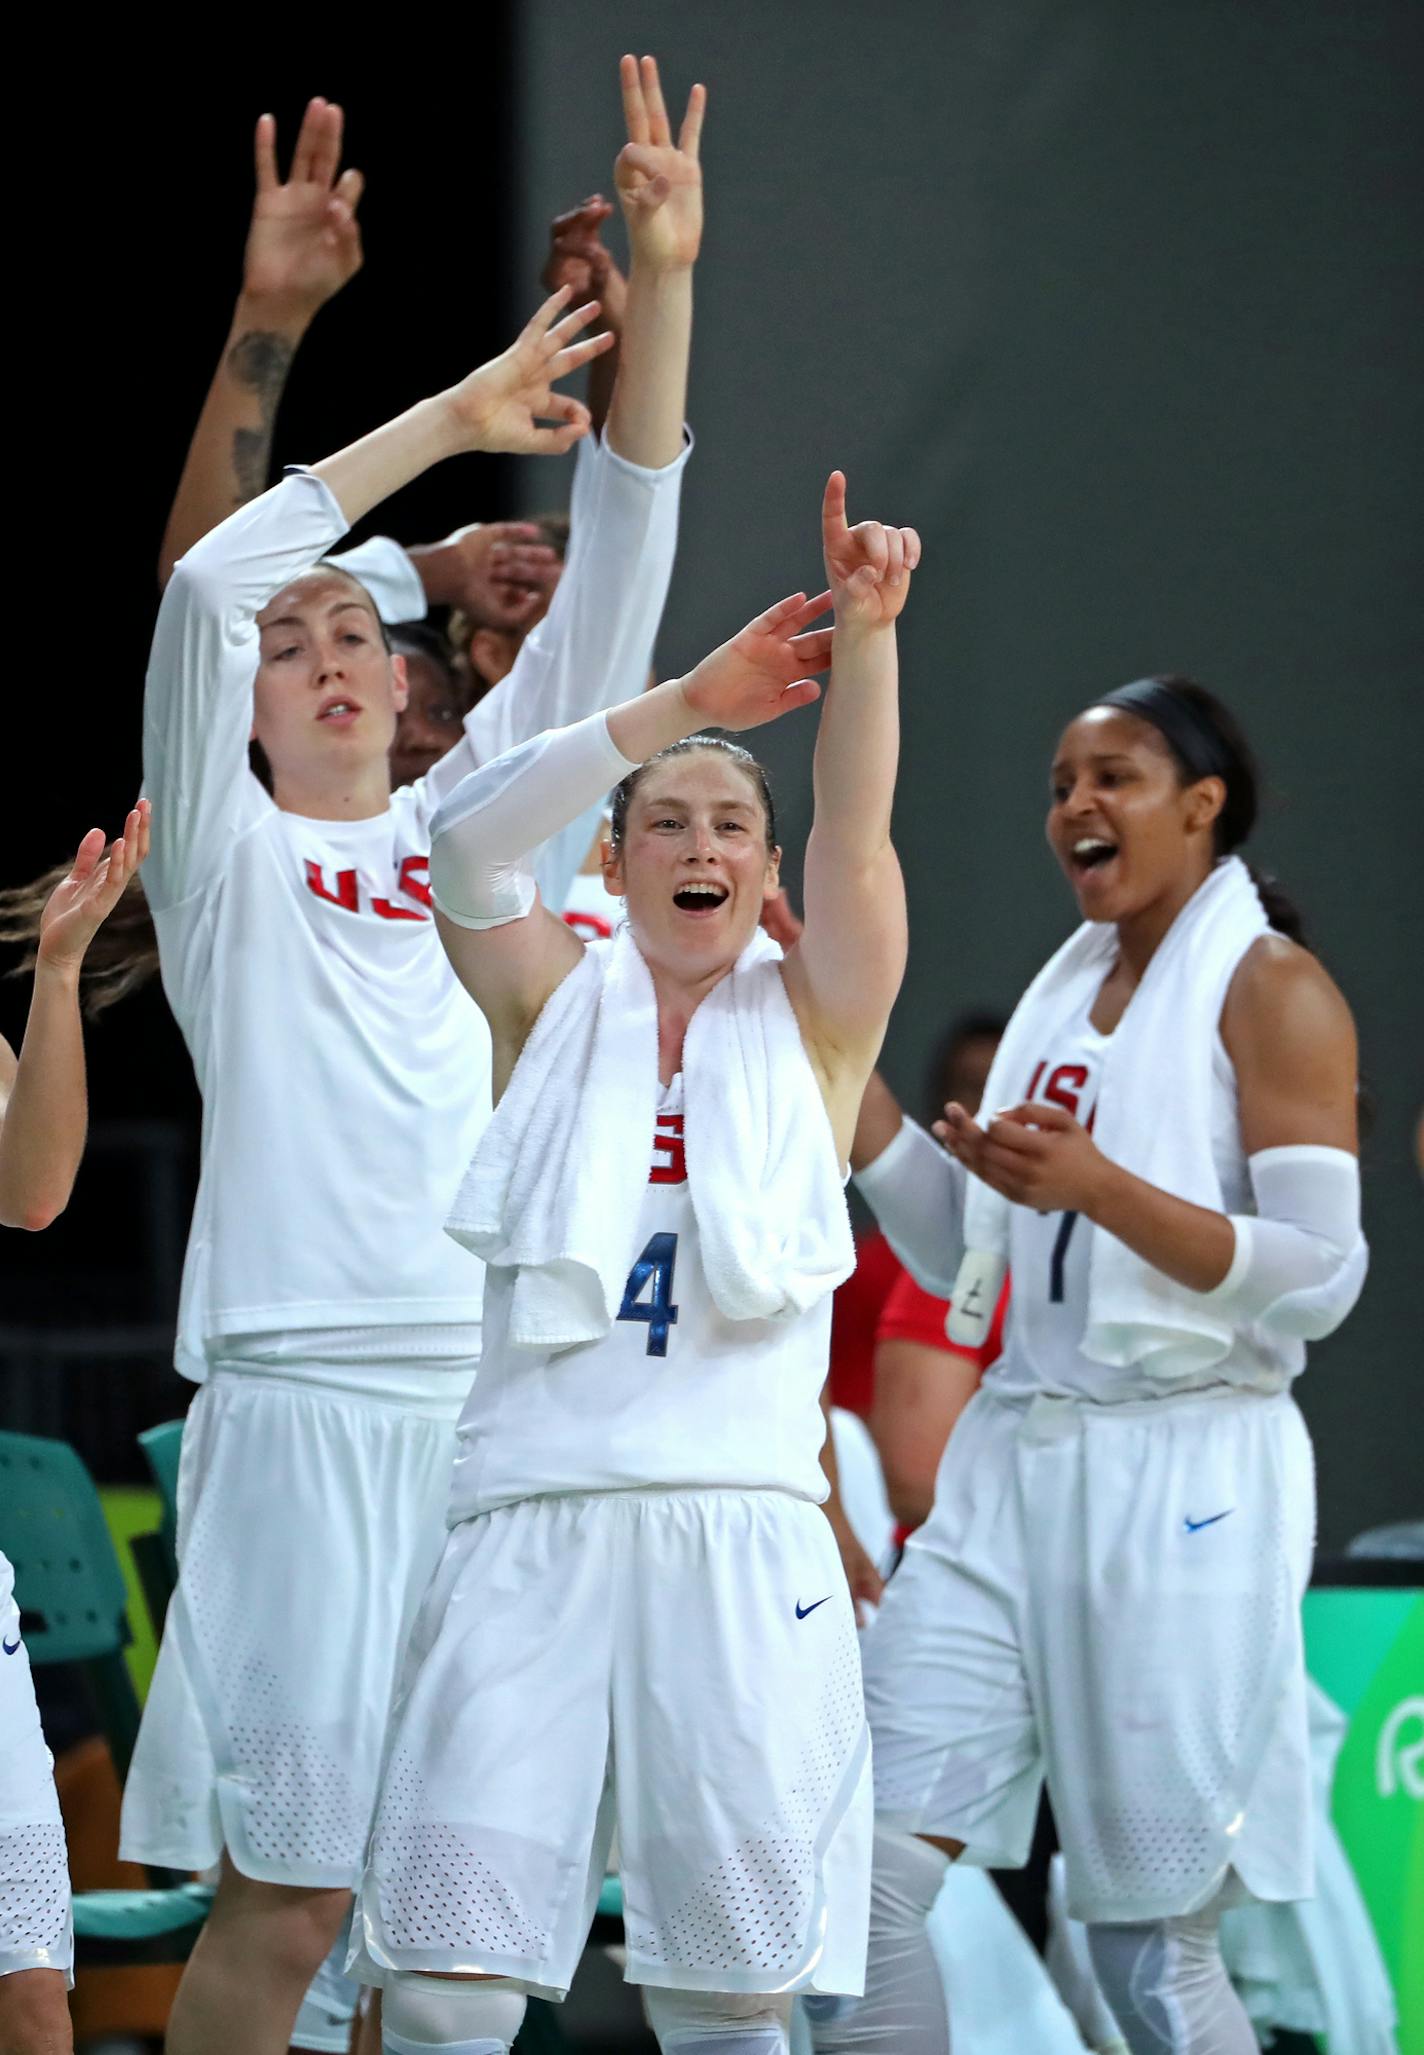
43, 1100
303, 246
844, 972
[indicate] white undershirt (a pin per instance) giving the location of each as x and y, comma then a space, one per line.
345, 1074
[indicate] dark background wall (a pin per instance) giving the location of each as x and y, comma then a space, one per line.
1119, 304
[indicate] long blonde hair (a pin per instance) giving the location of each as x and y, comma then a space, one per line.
122, 956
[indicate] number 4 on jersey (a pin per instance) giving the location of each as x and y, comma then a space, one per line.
652, 1275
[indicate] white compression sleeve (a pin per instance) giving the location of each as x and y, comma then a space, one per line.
916, 1192
1300, 1259
717, 2022
904, 2010
1168, 1989
426, 2015
484, 834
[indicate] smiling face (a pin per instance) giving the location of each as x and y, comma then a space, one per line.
328, 691
1126, 829
693, 863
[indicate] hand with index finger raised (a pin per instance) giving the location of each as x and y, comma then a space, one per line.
868, 567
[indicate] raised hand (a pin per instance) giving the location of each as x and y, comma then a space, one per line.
868, 567
81, 902
579, 259
659, 181
507, 403
763, 672
304, 243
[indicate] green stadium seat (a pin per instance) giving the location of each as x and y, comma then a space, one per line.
70, 1589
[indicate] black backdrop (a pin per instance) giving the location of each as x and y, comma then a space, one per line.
134, 240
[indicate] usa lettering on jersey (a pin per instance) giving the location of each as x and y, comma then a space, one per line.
411, 879
1065, 1087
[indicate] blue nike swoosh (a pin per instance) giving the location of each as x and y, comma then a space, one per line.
9, 1646
803, 1610
1195, 1526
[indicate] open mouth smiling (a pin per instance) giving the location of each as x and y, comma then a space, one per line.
1091, 852
702, 897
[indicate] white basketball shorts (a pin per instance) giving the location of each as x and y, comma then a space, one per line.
36, 1928
310, 1522
1108, 1595
681, 1664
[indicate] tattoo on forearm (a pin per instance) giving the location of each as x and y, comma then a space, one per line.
260, 361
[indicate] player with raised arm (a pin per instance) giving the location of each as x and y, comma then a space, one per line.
640, 1615
43, 1121
1107, 1591
345, 1078
303, 246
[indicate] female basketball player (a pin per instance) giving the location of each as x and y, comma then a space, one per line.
1108, 1588
641, 1612
43, 1119
345, 1081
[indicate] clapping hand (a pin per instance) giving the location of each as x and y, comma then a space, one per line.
762, 673
1035, 1154
304, 243
659, 181
868, 567
81, 902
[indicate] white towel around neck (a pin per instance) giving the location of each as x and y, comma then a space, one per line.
555, 1187
1153, 1114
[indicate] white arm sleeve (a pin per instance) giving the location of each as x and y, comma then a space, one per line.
388, 574
1300, 1259
484, 834
916, 1192
594, 646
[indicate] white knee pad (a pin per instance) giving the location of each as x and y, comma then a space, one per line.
424, 2015
1168, 1988
718, 2022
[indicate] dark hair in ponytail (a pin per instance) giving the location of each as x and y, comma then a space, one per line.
742, 758
1206, 740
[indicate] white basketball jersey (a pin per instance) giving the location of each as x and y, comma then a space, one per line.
1049, 1252
674, 1396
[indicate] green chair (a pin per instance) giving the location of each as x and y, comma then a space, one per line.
156, 1555
71, 1589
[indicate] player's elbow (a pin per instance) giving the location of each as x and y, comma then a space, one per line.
32, 1215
